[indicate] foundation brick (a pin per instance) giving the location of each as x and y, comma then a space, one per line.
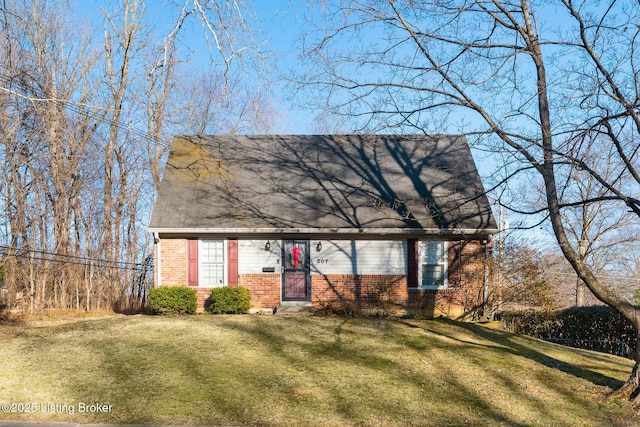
358, 288
265, 289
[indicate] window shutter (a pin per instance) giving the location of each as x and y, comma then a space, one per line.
232, 257
192, 262
412, 263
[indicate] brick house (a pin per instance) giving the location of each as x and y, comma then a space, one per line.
325, 220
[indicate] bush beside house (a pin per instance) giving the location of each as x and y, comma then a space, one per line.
173, 300
230, 300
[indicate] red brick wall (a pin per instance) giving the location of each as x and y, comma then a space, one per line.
466, 264
173, 262
365, 288
265, 289
452, 303
203, 295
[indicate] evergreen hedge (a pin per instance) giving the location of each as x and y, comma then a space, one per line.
173, 300
597, 328
230, 300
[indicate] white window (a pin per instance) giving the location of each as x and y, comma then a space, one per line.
432, 264
212, 263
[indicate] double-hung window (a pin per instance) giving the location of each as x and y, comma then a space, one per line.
212, 263
432, 264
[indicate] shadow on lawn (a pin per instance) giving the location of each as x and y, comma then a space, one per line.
452, 383
350, 403
163, 378
336, 368
506, 343
506, 339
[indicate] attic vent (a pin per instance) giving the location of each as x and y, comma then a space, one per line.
432, 208
442, 166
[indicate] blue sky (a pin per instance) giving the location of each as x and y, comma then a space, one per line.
281, 23
277, 26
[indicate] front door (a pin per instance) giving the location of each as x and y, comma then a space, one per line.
295, 270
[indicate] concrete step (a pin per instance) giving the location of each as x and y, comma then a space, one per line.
294, 308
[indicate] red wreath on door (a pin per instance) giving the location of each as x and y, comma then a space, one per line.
295, 252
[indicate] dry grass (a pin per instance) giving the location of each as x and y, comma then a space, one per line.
273, 371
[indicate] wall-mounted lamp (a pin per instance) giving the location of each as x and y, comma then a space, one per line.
267, 246
319, 247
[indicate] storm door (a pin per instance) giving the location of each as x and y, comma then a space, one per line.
296, 281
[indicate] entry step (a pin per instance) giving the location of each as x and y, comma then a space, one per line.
294, 308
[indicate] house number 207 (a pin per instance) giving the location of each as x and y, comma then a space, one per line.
322, 261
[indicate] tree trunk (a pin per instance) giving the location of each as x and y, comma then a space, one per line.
547, 170
630, 390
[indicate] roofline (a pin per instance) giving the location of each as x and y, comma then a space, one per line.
343, 232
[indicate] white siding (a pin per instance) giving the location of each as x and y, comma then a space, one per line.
252, 257
359, 257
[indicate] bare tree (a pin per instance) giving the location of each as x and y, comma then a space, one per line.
233, 37
523, 283
124, 36
46, 67
536, 93
85, 117
601, 231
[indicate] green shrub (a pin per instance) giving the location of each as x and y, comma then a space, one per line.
595, 328
173, 300
230, 300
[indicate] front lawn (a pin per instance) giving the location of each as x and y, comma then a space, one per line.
286, 371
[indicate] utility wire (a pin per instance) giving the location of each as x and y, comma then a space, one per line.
67, 262
91, 111
69, 259
9, 248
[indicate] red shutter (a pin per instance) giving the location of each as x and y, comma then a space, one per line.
412, 263
232, 257
192, 262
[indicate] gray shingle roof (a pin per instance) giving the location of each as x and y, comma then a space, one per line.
316, 184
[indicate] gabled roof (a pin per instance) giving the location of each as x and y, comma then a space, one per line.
322, 184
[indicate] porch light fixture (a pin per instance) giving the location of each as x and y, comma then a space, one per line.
267, 246
319, 247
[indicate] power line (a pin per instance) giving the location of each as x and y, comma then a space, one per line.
69, 259
9, 248
97, 113
67, 262
88, 110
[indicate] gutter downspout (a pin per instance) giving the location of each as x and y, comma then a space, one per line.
485, 302
158, 261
